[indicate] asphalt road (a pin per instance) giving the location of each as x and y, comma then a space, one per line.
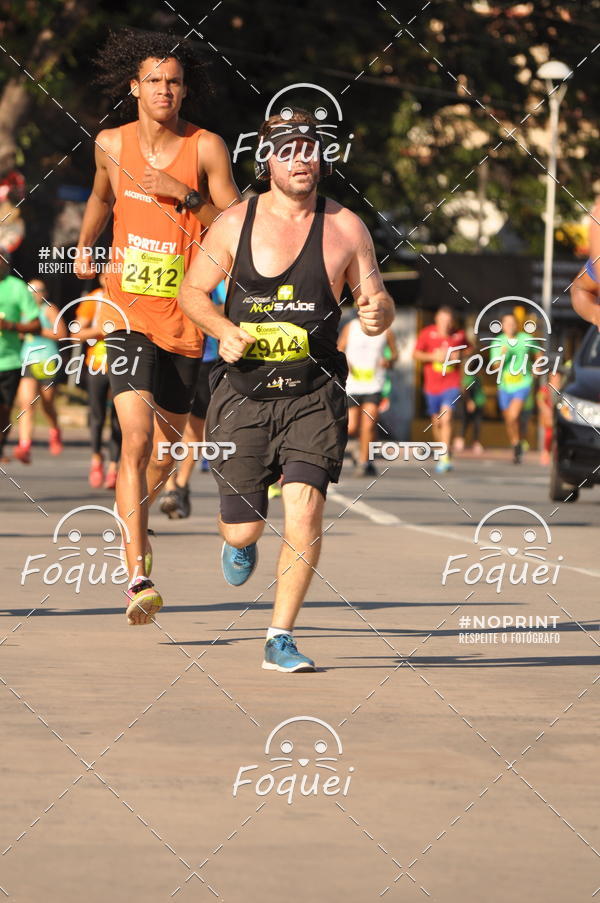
444, 748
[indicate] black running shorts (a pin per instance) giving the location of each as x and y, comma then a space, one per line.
170, 377
357, 401
9, 383
202, 393
272, 438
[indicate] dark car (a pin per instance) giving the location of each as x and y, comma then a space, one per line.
576, 449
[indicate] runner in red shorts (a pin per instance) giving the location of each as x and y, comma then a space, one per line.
441, 381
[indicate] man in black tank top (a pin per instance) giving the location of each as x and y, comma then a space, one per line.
278, 388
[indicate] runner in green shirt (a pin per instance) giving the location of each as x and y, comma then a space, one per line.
40, 362
517, 352
19, 316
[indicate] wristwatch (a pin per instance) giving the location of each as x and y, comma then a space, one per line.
191, 200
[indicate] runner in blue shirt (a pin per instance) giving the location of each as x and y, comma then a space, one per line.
175, 502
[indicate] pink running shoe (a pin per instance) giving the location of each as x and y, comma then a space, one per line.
55, 442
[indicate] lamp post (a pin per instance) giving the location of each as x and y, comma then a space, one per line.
554, 74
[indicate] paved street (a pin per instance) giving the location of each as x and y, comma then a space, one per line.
458, 746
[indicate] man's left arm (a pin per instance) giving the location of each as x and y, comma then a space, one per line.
214, 163
29, 321
375, 306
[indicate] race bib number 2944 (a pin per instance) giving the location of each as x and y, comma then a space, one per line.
276, 341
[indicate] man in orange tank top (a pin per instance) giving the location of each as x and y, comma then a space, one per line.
163, 180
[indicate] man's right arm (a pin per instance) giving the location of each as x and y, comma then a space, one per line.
584, 294
424, 356
97, 209
420, 354
210, 265
594, 237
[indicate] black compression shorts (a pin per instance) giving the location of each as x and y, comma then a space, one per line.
202, 393
170, 377
253, 506
302, 438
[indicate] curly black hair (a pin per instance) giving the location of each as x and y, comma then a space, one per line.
122, 55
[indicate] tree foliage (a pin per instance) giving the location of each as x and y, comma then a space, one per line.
429, 91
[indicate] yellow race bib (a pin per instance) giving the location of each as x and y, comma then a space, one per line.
97, 356
276, 341
152, 273
37, 370
362, 376
513, 377
438, 366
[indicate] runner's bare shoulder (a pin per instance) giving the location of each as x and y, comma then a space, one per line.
210, 147
226, 229
347, 226
108, 145
230, 221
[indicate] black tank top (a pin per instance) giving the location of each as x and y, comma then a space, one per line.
294, 317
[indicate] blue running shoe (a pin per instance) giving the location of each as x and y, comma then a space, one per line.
238, 564
444, 464
281, 654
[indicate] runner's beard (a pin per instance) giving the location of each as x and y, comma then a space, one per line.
286, 185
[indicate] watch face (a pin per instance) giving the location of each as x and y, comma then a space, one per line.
193, 199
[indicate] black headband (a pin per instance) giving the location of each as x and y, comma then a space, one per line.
285, 134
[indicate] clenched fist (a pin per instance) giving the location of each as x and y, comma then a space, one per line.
374, 313
233, 343
157, 182
84, 267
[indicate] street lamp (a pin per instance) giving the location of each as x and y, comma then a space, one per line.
555, 75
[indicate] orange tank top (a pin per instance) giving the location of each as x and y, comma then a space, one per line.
152, 248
